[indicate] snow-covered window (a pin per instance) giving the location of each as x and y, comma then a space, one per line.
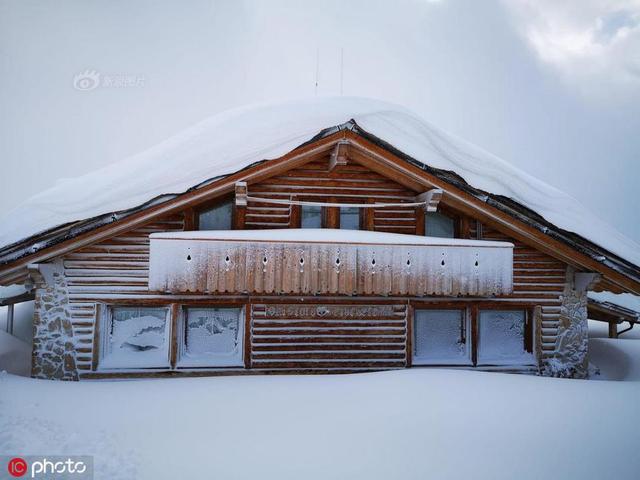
311, 216
437, 224
135, 337
502, 338
349, 218
441, 337
216, 218
211, 337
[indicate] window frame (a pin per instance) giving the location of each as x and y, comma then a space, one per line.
474, 308
104, 317
359, 210
529, 329
236, 360
468, 322
204, 207
104, 330
454, 222
322, 216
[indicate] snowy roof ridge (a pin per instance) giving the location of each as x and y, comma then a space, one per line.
233, 140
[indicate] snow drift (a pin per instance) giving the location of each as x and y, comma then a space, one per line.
414, 424
232, 140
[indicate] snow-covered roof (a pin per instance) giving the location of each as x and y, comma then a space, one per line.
625, 300
11, 291
232, 140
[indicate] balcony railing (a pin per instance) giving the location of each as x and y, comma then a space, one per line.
322, 262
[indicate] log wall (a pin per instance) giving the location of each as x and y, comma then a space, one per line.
350, 183
116, 271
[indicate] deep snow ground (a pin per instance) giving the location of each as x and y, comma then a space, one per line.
413, 424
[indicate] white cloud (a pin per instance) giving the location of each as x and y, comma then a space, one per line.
594, 44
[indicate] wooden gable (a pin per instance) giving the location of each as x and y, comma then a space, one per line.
367, 170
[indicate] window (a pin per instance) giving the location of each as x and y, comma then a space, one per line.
502, 337
135, 337
310, 216
216, 218
440, 337
211, 337
349, 218
438, 225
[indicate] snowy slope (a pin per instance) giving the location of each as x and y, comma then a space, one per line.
231, 140
411, 424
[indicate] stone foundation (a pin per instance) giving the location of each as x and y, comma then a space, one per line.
53, 346
570, 358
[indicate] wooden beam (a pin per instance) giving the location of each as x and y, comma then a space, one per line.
369, 217
464, 227
176, 310
613, 330
431, 198
247, 336
295, 216
97, 326
331, 215
190, 220
241, 194
239, 217
23, 297
420, 221
339, 155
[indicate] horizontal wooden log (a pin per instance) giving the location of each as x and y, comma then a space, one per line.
327, 356
291, 332
348, 339
331, 347
327, 364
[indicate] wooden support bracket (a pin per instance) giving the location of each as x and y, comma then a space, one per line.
339, 155
431, 198
241, 194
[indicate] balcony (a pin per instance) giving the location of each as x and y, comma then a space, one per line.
327, 262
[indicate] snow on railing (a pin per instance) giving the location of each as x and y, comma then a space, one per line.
334, 262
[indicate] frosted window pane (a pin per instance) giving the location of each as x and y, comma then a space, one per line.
213, 337
311, 216
501, 337
349, 218
438, 225
439, 337
137, 337
218, 218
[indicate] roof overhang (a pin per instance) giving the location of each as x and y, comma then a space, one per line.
518, 221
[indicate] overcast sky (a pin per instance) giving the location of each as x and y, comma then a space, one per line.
551, 86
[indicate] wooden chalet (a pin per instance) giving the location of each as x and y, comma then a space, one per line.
344, 254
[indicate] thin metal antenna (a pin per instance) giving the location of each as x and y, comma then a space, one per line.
317, 69
341, 70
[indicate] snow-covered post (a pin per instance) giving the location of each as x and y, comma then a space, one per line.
53, 347
570, 358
